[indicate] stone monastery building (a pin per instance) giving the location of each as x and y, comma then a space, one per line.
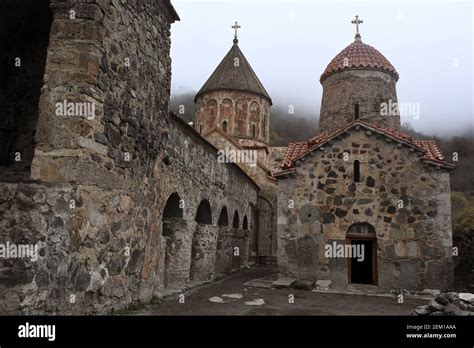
360, 182
130, 202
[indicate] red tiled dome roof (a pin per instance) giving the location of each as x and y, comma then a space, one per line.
360, 56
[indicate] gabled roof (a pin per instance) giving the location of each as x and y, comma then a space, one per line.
236, 144
431, 152
234, 74
359, 55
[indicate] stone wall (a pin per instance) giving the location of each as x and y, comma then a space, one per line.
406, 202
341, 91
99, 184
264, 238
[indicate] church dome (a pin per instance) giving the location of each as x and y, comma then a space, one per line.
234, 73
360, 56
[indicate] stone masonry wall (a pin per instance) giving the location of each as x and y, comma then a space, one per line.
99, 185
254, 110
341, 91
265, 240
414, 242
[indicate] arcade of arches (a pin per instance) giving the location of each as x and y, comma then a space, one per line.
198, 250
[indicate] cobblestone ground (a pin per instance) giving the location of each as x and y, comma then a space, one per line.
276, 300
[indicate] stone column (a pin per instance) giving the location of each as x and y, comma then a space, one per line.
178, 238
224, 251
203, 254
240, 239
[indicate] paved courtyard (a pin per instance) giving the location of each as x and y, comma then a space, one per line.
276, 301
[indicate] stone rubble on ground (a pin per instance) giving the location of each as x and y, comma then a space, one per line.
431, 292
216, 299
450, 303
256, 302
323, 284
283, 283
233, 296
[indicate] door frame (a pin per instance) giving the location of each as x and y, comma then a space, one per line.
375, 278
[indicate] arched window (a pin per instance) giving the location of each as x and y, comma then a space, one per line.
356, 171
245, 224
235, 221
212, 109
356, 111
241, 109
224, 126
253, 131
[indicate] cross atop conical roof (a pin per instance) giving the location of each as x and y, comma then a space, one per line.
234, 73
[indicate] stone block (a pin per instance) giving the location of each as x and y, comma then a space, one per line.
283, 283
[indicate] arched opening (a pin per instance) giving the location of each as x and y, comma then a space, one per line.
245, 224
203, 214
25, 38
173, 208
235, 221
212, 114
356, 171
172, 228
356, 111
223, 218
224, 126
264, 124
225, 110
241, 110
254, 117
361, 241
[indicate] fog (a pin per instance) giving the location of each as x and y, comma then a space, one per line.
289, 44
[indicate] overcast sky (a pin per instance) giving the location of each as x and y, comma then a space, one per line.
289, 44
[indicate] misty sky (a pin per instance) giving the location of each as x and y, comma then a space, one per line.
290, 43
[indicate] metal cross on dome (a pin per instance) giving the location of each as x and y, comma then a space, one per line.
357, 21
235, 27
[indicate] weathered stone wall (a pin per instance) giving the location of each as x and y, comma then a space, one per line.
242, 111
264, 242
341, 91
414, 241
100, 183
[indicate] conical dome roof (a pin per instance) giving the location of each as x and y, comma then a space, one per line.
234, 74
359, 56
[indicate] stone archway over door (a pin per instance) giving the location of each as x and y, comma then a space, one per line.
363, 239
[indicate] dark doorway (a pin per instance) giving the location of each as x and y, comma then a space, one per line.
24, 36
362, 271
360, 235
